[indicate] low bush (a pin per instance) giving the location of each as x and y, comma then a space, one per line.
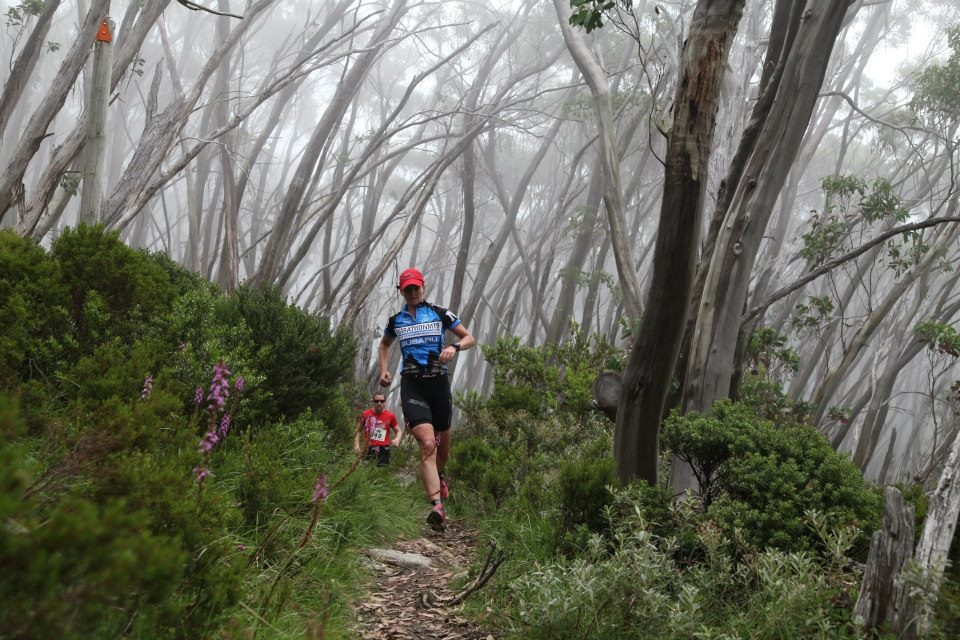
761, 478
582, 498
630, 585
33, 312
114, 291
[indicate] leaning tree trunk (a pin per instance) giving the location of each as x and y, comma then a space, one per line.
609, 157
423, 191
22, 69
271, 265
649, 369
829, 385
715, 338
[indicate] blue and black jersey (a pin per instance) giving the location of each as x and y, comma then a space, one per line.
421, 334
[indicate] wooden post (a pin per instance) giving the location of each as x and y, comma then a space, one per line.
890, 548
91, 160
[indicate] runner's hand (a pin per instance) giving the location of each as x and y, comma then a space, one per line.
386, 379
447, 354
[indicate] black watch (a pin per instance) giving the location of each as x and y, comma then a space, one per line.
456, 345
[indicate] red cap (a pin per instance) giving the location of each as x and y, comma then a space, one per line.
409, 277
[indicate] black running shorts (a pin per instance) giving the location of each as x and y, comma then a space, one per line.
426, 400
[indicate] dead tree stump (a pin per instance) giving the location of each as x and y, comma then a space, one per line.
881, 594
606, 393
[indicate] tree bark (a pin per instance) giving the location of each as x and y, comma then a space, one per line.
22, 69
649, 370
91, 161
715, 338
890, 549
35, 131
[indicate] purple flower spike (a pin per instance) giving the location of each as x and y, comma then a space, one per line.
198, 396
147, 388
183, 346
240, 383
224, 426
219, 387
200, 473
208, 442
320, 491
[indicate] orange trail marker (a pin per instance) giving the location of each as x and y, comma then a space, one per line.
103, 35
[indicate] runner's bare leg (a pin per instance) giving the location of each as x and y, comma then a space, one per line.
428, 459
443, 452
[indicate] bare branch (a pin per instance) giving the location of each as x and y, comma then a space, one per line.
193, 6
495, 557
833, 264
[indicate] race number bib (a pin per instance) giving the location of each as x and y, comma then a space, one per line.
378, 433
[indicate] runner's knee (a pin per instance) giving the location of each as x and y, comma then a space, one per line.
428, 447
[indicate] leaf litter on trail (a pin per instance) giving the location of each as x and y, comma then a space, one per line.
392, 610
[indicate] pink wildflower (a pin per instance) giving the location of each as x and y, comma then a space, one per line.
198, 396
219, 387
240, 383
209, 441
200, 473
224, 426
320, 490
147, 388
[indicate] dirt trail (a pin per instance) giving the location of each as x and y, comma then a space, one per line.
392, 609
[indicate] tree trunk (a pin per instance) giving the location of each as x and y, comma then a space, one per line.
35, 131
277, 245
609, 157
715, 338
649, 370
91, 161
934, 544
22, 69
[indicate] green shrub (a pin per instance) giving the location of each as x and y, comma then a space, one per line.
113, 534
764, 477
292, 360
633, 584
303, 360
33, 312
114, 291
549, 377
584, 494
483, 471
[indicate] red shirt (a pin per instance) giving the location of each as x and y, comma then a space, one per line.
377, 426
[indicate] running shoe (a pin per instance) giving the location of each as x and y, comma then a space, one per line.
444, 488
437, 518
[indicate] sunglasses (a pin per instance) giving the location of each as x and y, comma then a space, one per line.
375, 401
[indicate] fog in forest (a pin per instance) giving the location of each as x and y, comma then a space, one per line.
323, 146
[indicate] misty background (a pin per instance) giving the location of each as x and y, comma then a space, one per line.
324, 146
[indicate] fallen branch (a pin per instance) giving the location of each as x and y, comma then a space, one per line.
495, 557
